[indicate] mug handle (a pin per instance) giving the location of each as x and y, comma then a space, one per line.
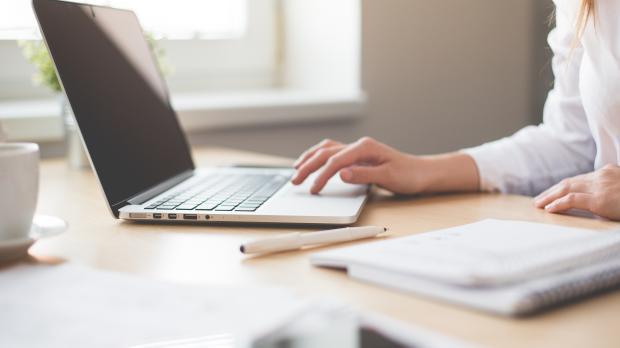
47, 226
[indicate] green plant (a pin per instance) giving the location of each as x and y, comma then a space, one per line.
37, 54
159, 53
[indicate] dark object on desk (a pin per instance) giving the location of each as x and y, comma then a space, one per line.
136, 144
367, 338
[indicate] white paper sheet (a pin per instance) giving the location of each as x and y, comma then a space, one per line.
503, 266
488, 252
74, 306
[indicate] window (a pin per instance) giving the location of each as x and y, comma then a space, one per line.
234, 62
207, 43
201, 19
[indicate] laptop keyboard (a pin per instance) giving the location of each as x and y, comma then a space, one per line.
224, 192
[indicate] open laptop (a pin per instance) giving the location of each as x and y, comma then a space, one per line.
135, 143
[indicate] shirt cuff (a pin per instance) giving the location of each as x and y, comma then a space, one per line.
485, 157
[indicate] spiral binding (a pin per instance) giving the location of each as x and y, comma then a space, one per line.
585, 283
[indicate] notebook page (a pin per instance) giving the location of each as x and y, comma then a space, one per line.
483, 253
522, 298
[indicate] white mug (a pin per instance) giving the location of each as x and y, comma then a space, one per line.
19, 188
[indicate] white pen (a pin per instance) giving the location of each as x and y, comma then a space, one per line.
293, 241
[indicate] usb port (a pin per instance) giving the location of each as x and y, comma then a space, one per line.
137, 215
156, 215
172, 216
190, 216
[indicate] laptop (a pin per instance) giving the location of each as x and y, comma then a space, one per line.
135, 143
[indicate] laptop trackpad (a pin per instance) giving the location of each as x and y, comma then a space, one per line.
336, 199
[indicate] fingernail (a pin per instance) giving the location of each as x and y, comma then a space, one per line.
539, 197
346, 174
314, 189
550, 206
537, 202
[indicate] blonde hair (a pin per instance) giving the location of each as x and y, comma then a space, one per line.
587, 10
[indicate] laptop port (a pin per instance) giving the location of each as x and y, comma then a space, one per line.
172, 216
207, 217
137, 215
156, 215
190, 216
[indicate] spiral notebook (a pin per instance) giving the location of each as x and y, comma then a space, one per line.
501, 266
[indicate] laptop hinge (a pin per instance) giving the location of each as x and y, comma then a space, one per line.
158, 189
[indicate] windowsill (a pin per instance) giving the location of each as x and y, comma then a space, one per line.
38, 120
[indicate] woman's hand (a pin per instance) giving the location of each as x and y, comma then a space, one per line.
368, 161
597, 192
365, 161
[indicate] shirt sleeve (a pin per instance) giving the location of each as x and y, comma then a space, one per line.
537, 157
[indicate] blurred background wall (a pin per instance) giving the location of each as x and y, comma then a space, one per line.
439, 76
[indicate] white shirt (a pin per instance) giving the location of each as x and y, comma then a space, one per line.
581, 122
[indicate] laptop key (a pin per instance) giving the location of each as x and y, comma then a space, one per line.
225, 208
254, 199
186, 207
260, 196
200, 207
246, 208
252, 202
232, 202
240, 192
249, 205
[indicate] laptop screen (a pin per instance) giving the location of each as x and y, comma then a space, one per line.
118, 96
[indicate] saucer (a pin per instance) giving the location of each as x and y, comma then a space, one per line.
42, 226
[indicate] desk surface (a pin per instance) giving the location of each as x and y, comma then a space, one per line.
209, 255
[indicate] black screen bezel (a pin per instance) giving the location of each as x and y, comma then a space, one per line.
115, 204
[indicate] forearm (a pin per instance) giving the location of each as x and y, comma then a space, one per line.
451, 172
368, 161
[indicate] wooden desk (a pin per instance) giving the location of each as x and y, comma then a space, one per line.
209, 255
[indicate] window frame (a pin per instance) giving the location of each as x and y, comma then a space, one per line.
288, 92
197, 67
